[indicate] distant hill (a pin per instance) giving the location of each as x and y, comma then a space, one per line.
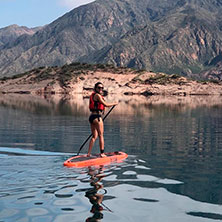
12, 32
79, 79
171, 36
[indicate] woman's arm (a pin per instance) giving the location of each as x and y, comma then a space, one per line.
100, 99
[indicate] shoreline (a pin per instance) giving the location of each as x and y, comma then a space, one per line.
80, 79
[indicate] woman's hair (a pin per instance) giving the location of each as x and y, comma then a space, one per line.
98, 83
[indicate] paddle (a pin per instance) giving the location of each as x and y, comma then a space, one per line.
91, 133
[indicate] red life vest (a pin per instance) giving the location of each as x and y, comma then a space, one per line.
95, 105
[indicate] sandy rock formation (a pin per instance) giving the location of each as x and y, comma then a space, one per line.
80, 79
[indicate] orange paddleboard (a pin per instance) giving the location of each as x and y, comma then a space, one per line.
84, 161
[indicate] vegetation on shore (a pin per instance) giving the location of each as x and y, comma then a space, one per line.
71, 71
79, 77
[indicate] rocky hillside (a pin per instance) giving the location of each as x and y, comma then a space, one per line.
11, 33
79, 78
171, 36
184, 40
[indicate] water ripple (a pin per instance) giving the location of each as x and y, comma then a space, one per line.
121, 192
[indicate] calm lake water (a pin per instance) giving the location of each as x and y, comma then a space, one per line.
172, 174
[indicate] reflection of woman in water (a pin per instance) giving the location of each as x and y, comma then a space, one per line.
94, 197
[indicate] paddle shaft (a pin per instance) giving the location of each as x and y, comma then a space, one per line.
91, 133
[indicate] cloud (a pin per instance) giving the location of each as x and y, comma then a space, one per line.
73, 3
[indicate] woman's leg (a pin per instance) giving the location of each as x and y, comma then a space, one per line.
93, 139
97, 129
100, 130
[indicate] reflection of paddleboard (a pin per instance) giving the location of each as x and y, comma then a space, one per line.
84, 161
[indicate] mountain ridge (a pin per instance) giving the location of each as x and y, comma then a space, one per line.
12, 32
181, 36
195, 31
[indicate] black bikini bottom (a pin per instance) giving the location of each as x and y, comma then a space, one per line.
94, 116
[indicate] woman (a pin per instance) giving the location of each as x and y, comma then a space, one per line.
97, 106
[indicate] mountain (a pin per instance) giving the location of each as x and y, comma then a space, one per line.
172, 36
12, 32
184, 41
77, 33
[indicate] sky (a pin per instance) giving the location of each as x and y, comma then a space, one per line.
33, 13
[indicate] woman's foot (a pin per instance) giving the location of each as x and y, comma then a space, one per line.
103, 155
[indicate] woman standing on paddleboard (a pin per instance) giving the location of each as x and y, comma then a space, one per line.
97, 106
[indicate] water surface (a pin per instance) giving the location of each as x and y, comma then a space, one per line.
173, 172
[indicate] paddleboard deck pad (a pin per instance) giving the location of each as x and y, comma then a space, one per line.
95, 160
